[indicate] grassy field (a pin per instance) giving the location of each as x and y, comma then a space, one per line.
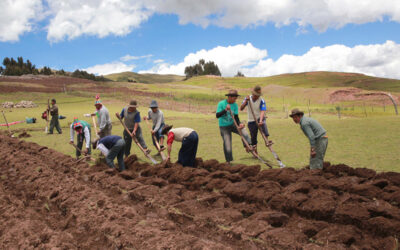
370, 142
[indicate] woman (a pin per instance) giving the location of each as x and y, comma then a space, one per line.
189, 139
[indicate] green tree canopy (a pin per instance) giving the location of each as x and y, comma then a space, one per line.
202, 68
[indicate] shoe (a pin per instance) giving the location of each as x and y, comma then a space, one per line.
147, 151
162, 147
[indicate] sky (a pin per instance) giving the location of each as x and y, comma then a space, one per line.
255, 37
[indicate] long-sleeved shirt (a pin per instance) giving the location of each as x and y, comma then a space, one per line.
103, 117
157, 118
312, 129
106, 143
86, 132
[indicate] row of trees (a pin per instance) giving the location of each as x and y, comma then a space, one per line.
18, 67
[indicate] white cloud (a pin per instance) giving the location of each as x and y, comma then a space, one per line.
109, 68
18, 17
73, 18
158, 61
228, 59
378, 60
321, 14
130, 57
69, 19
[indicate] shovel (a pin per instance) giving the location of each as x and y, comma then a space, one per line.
8, 126
246, 144
86, 156
156, 142
137, 143
267, 143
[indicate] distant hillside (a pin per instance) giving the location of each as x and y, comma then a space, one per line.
144, 78
306, 80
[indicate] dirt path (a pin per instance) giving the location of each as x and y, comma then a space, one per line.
46, 200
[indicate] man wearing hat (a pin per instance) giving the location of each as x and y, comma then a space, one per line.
226, 124
131, 117
317, 136
103, 119
259, 108
82, 129
157, 116
54, 117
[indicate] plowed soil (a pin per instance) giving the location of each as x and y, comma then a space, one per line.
49, 201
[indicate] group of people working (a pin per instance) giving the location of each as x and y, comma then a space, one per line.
113, 146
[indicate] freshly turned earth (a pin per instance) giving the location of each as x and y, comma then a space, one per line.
47, 201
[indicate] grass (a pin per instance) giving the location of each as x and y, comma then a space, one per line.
370, 142
143, 78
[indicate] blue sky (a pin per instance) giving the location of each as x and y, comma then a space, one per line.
259, 38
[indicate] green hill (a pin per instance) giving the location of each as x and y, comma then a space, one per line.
143, 78
305, 80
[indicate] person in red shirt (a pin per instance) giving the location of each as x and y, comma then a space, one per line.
189, 139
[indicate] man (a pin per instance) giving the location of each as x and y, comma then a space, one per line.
190, 141
54, 117
259, 108
82, 129
112, 146
157, 116
226, 124
317, 136
131, 118
103, 119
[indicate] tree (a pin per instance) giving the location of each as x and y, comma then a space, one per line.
1, 70
45, 71
239, 74
18, 67
202, 68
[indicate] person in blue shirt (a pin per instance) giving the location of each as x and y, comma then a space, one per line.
131, 117
259, 109
112, 146
226, 124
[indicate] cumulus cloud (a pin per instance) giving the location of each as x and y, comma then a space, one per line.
73, 18
130, 57
18, 17
228, 59
109, 68
381, 60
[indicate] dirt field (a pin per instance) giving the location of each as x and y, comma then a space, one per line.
46, 201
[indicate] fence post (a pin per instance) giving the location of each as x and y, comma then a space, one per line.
365, 110
309, 113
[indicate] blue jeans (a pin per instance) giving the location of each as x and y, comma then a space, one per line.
117, 151
158, 134
253, 127
226, 134
188, 151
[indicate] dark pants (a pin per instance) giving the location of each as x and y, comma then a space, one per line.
54, 123
320, 148
105, 131
226, 134
128, 140
158, 134
253, 127
79, 138
188, 151
117, 151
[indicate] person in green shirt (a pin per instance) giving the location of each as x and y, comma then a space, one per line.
317, 136
226, 124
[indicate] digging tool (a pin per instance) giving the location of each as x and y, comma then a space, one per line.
156, 142
47, 118
137, 143
247, 144
94, 123
8, 126
267, 143
86, 156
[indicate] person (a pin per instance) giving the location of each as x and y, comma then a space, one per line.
317, 136
226, 124
189, 139
103, 119
111, 146
82, 129
259, 108
131, 117
54, 117
157, 116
